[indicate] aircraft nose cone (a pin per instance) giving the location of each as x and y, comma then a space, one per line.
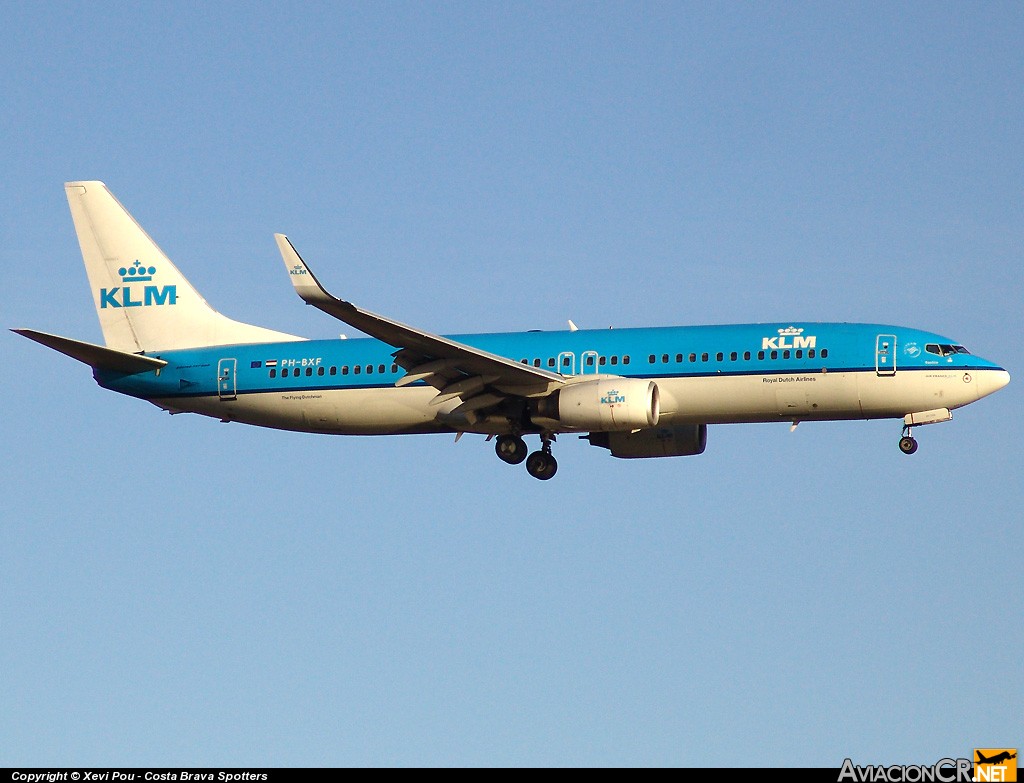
992, 381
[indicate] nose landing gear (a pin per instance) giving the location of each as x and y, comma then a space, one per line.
908, 445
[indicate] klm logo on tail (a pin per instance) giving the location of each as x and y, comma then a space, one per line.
152, 295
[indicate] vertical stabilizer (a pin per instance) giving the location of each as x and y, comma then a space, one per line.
144, 303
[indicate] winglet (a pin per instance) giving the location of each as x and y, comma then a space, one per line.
306, 285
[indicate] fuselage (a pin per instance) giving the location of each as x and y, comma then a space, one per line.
794, 371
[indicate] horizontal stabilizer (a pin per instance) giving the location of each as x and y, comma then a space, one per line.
95, 356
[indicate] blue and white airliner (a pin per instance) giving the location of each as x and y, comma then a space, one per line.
649, 392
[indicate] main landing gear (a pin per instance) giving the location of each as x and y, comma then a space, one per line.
511, 449
541, 464
908, 445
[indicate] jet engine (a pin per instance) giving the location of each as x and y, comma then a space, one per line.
605, 404
682, 441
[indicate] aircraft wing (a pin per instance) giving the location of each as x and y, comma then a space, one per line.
454, 368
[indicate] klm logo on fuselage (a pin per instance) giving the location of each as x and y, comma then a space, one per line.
791, 337
612, 397
129, 296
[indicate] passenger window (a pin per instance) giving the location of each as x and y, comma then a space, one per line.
693, 357
799, 354
369, 369
344, 369
358, 368
775, 354
625, 359
590, 361
719, 356
615, 360
746, 356
380, 369
651, 358
785, 354
284, 372
565, 361
703, 357
273, 373
536, 362
601, 360
760, 356
551, 362
309, 371
824, 353
810, 354
319, 370
679, 358
333, 370
733, 356
394, 368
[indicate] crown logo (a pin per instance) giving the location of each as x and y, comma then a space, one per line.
790, 331
136, 273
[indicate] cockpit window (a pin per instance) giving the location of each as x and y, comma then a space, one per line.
945, 350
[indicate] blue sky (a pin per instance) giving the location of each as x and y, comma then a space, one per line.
176, 591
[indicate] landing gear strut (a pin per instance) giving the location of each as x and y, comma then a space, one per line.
908, 445
541, 464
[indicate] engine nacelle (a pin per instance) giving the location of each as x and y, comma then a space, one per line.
605, 404
684, 441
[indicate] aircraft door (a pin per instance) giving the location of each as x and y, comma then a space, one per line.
227, 388
588, 363
885, 354
567, 363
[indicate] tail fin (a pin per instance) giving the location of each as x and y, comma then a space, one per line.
143, 301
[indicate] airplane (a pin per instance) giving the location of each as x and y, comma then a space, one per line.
999, 758
637, 392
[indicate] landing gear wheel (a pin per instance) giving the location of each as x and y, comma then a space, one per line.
511, 449
541, 465
908, 445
